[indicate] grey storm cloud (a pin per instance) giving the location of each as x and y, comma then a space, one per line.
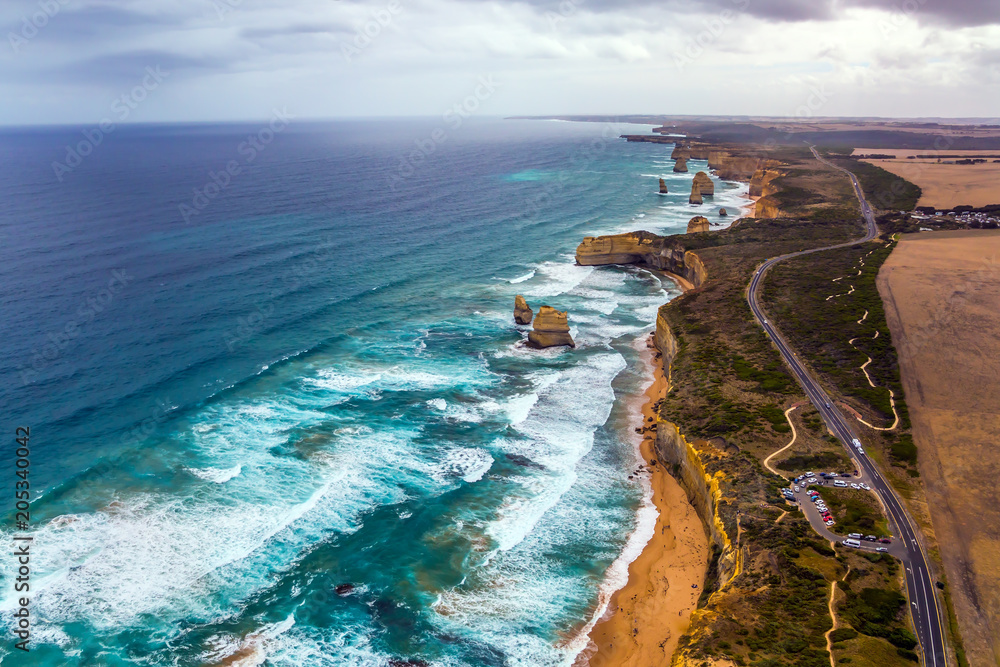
127, 67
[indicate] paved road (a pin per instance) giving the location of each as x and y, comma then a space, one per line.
924, 608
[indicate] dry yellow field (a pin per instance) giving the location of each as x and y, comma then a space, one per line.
942, 296
944, 185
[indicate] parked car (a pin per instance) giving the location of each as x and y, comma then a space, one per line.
854, 486
854, 536
885, 540
840, 483
796, 489
882, 550
864, 486
870, 538
830, 522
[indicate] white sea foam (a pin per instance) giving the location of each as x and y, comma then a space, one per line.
558, 278
217, 475
468, 463
521, 279
560, 429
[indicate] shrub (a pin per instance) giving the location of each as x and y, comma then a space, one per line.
843, 634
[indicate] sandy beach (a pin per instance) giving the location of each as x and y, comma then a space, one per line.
647, 617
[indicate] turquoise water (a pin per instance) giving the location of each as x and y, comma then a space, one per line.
318, 383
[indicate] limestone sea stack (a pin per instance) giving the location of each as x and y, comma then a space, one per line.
723, 213
695, 197
663, 187
522, 314
681, 166
705, 184
678, 152
551, 329
698, 224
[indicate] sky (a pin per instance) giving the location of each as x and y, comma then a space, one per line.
81, 61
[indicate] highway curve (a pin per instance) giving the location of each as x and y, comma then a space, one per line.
924, 608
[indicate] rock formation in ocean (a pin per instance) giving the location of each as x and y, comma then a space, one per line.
678, 152
551, 329
522, 313
663, 253
723, 212
663, 187
681, 166
698, 224
705, 184
695, 197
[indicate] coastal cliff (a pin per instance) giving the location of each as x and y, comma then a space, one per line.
662, 253
767, 208
703, 489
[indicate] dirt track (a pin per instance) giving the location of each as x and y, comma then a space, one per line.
942, 295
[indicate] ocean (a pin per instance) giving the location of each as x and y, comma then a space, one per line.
280, 412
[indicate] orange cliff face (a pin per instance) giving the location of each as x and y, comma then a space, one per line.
698, 224
644, 249
760, 182
522, 313
766, 208
695, 197
705, 184
551, 329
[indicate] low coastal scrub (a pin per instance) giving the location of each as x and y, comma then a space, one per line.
855, 511
819, 300
882, 188
729, 392
830, 310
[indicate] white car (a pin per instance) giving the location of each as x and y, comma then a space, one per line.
796, 489
854, 486
865, 486
830, 522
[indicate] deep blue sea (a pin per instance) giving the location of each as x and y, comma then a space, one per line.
315, 380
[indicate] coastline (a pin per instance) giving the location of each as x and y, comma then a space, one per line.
647, 616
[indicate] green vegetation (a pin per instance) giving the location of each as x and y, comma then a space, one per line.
855, 511
829, 460
797, 293
729, 392
882, 188
877, 612
843, 634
